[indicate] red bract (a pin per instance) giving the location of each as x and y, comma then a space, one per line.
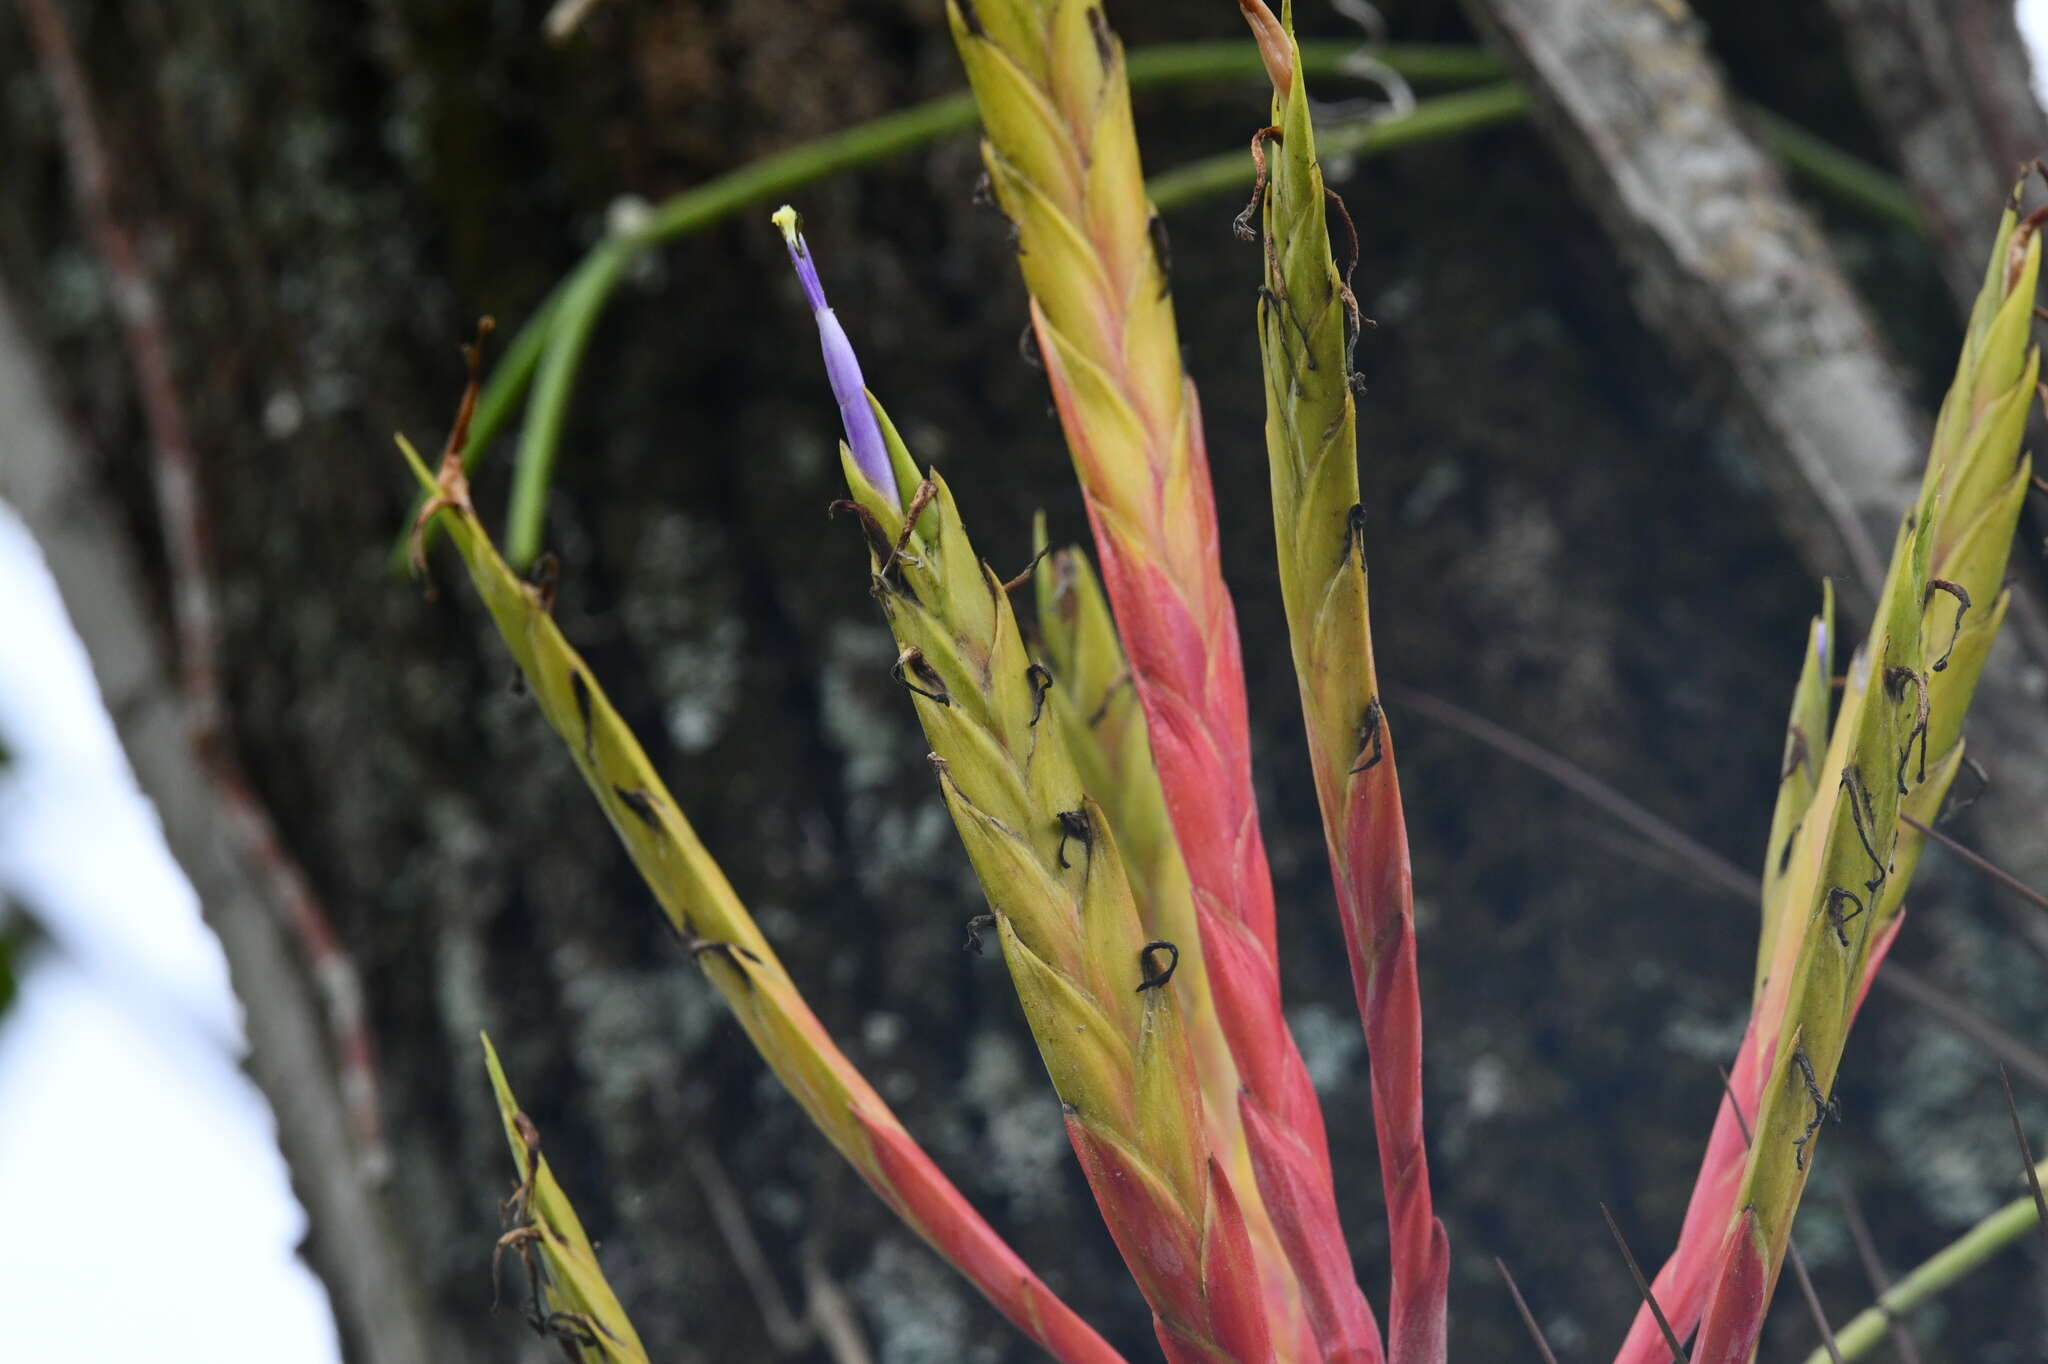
1734, 1315
928, 1202
1682, 1285
1375, 898
1180, 630
1137, 1208
1307, 325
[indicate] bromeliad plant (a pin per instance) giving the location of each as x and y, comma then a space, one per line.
1100, 776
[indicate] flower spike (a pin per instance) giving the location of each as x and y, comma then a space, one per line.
1835, 884
1062, 157
710, 921
1099, 992
1308, 323
568, 1296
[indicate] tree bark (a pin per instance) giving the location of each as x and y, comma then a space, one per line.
1735, 276
328, 195
1951, 83
43, 476
1725, 265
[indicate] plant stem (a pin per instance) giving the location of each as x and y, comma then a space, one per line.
1444, 116
1975, 1246
559, 351
777, 176
1172, 64
1425, 63
550, 361
1856, 183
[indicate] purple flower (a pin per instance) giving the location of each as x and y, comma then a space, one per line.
842, 367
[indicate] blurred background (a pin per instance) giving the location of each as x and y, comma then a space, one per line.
1589, 527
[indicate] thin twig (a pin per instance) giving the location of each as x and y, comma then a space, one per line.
2010, 1050
831, 1311
1719, 872
1528, 1318
194, 613
1741, 1119
1880, 1282
1711, 866
828, 1317
787, 1331
2019, 1135
1977, 860
1820, 1316
1643, 1286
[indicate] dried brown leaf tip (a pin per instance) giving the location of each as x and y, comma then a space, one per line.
1275, 48
919, 676
579, 685
1075, 825
926, 492
732, 952
1962, 597
452, 485
544, 580
641, 803
878, 539
529, 1136
1025, 574
2016, 249
1039, 679
520, 1239
1371, 740
1824, 1107
1098, 29
1242, 223
517, 1210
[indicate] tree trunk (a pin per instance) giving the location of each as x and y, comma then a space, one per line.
44, 477
1952, 86
1734, 274
1725, 264
328, 195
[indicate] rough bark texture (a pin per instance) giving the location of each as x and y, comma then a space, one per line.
45, 476
1567, 540
1725, 264
1950, 83
1735, 275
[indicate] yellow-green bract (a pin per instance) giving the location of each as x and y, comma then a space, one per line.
1837, 886
707, 915
1100, 1000
580, 1306
1308, 321
1062, 157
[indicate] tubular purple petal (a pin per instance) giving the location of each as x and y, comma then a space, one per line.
842, 367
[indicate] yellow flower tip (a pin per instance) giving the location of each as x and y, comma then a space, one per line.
786, 219
1276, 49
